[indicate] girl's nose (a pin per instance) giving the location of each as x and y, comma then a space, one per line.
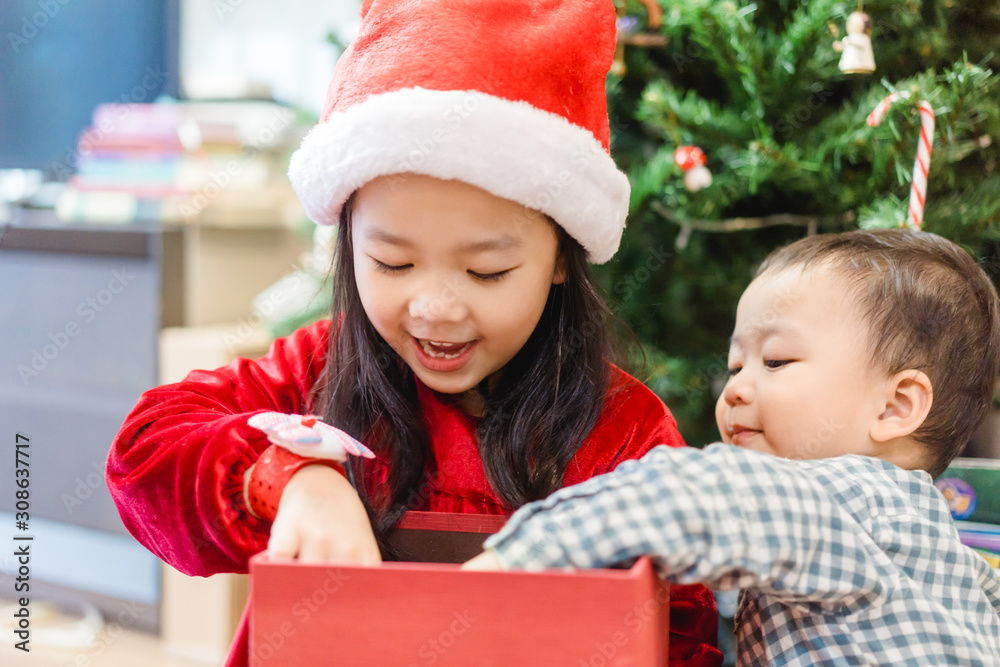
438, 303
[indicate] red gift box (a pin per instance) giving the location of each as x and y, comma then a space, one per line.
415, 614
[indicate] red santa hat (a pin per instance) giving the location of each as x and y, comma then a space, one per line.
506, 95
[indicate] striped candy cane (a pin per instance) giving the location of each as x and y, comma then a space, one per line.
918, 190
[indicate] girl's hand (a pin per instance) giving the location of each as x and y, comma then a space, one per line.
320, 519
484, 561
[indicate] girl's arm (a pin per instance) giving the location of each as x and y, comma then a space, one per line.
176, 467
723, 516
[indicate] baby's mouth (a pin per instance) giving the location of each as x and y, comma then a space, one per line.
740, 434
443, 350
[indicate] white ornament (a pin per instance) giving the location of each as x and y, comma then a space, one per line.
697, 178
858, 57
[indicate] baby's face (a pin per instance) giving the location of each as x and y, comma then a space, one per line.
800, 383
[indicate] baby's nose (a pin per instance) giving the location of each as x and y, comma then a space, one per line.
738, 390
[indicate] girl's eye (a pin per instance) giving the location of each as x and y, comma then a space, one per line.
489, 277
387, 268
734, 370
776, 363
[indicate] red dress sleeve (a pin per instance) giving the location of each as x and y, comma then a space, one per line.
175, 469
633, 420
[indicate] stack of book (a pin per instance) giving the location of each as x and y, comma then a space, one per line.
972, 489
215, 163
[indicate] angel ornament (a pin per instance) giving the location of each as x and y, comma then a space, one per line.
858, 57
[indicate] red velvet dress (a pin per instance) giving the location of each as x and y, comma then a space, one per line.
176, 468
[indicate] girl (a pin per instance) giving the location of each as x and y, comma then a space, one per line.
471, 178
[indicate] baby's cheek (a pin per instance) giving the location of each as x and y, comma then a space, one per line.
720, 419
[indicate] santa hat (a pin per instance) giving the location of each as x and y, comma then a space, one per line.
506, 95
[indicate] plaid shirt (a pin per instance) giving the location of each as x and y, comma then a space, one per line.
843, 561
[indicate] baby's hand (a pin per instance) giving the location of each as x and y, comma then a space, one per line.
484, 561
320, 519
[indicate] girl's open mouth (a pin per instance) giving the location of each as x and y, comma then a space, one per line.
443, 356
442, 350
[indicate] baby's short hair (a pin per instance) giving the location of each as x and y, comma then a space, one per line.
928, 306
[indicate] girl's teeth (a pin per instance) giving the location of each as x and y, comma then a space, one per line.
458, 349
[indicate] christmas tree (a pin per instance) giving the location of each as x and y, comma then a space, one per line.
758, 88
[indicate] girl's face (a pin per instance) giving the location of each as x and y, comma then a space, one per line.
452, 277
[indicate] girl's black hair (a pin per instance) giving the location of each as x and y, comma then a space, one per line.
538, 411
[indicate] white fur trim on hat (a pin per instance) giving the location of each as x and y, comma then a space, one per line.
510, 149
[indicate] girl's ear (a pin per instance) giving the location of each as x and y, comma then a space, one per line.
559, 275
908, 402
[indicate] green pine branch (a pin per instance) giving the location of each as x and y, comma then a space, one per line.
756, 86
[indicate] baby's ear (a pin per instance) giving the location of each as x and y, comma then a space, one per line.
909, 396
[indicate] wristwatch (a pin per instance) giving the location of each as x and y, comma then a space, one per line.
270, 475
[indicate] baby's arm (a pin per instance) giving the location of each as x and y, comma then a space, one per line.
722, 516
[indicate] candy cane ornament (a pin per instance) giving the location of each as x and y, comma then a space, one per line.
922, 163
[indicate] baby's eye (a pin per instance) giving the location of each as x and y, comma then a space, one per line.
489, 277
388, 268
776, 363
734, 370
